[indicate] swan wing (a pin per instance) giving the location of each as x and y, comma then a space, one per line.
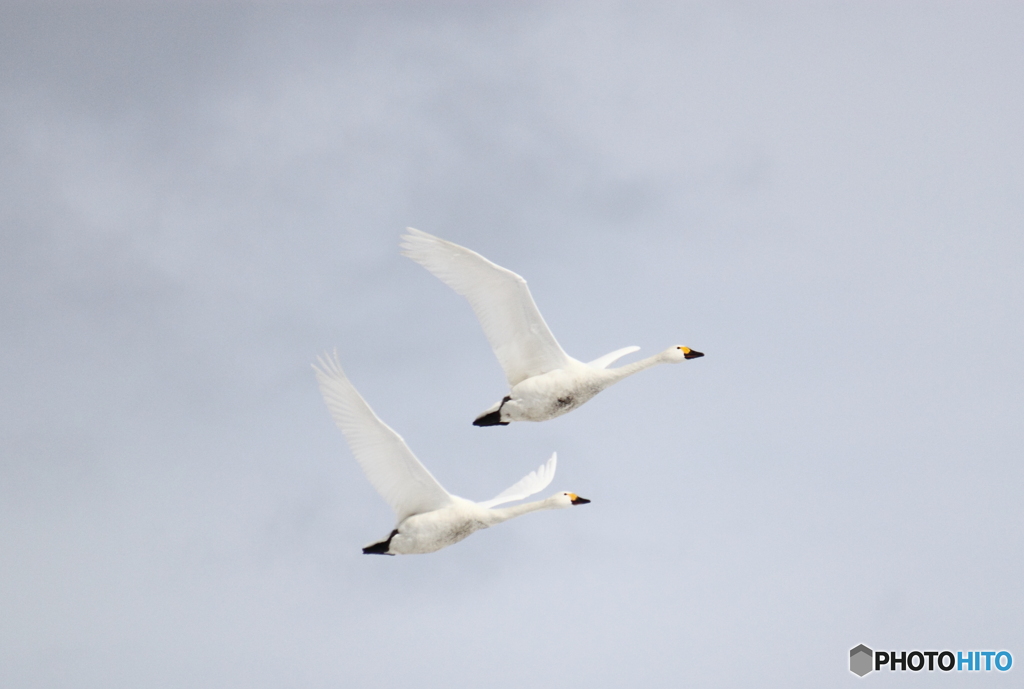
608, 359
387, 461
501, 300
533, 482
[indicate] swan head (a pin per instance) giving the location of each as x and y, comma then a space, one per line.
567, 499
677, 354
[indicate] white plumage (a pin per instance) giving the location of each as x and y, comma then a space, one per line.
545, 382
428, 517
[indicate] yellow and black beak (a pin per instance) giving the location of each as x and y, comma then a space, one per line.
691, 353
577, 500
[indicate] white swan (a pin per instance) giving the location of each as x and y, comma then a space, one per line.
429, 517
545, 382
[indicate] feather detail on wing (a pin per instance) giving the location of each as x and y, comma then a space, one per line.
389, 464
608, 359
501, 300
534, 482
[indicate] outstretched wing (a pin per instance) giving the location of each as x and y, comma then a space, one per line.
501, 300
533, 482
608, 359
387, 461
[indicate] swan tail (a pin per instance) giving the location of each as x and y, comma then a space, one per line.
492, 417
382, 547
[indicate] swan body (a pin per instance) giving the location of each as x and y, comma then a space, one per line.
428, 517
431, 531
544, 381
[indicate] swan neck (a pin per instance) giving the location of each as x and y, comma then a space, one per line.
637, 366
501, 514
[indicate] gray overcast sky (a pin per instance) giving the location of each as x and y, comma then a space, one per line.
195, 200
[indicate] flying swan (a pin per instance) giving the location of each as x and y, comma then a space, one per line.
429, 517
545, 382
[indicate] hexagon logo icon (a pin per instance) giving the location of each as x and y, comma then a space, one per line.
861, 658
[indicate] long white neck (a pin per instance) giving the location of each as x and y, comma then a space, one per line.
498, 515
616, 374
